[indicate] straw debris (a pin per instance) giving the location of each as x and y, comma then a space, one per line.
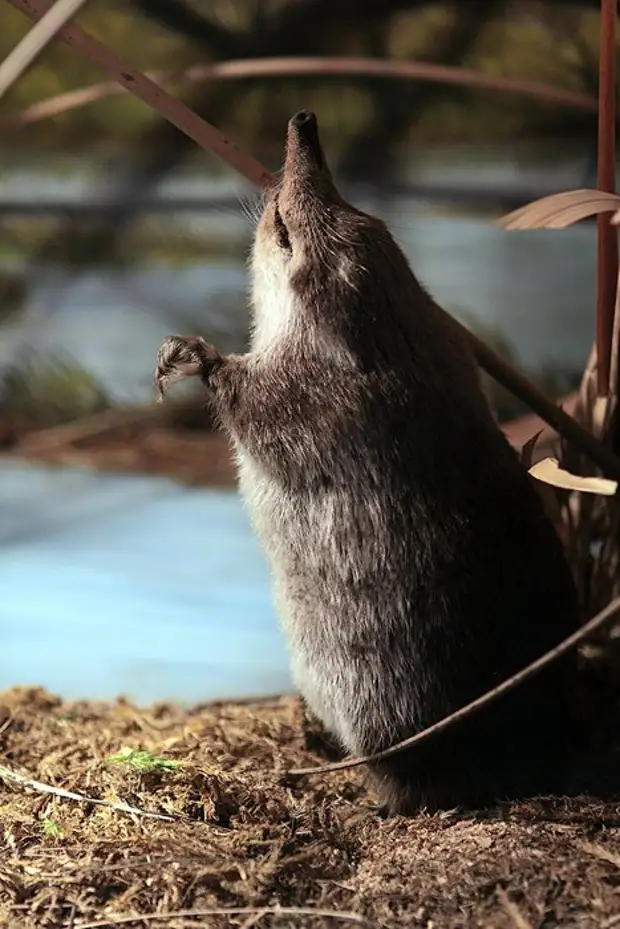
238, 844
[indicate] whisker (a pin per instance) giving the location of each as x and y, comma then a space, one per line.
249, 212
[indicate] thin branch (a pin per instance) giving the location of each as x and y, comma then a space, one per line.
278, 911
13, 777
175, 111
597, 622
549, 412
33, 43
519, 430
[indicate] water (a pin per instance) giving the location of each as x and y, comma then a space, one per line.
132, 585
114, 584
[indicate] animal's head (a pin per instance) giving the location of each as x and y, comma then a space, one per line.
300, 212
313, 251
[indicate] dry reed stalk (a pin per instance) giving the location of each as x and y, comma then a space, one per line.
33, 43
607, 243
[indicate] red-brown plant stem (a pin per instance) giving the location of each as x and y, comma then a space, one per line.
607, 241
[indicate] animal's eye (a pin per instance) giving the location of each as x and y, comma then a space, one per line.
282, 232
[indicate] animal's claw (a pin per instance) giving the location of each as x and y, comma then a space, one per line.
180, 357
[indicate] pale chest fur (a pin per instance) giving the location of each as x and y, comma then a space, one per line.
274, 310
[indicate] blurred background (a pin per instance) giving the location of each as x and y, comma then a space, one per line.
127, 564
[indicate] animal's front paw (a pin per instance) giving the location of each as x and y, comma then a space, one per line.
181, 357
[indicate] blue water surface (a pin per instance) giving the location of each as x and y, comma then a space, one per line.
114, 584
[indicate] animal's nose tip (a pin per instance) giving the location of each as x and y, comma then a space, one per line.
303, 138
303, 119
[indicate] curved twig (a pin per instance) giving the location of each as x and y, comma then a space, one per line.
319, 65
610, 612
283, 911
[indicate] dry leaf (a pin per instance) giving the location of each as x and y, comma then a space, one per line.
551, 502
560, 210
549, 472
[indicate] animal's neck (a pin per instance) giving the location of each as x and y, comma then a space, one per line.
275, 314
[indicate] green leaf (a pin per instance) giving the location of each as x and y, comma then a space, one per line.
51, 829
142, 760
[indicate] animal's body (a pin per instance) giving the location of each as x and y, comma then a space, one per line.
413, 566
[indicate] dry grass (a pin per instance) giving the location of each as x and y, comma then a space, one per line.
243, 841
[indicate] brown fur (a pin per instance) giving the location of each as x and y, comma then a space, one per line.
412, 563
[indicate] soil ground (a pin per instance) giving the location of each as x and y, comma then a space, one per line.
241, 836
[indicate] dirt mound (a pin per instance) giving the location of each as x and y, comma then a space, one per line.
235, 837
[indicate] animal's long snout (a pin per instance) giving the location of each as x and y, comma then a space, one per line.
304, 154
